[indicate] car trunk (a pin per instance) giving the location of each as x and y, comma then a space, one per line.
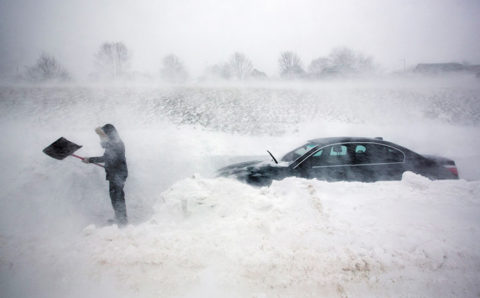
447, 163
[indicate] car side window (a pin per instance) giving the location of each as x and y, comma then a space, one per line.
339, 155
329, 156
361, 156
360, 149
338, 150
394, 155
376, 153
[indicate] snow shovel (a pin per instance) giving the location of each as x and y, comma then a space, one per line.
62, 148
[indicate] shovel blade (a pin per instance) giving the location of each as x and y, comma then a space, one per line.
61, 148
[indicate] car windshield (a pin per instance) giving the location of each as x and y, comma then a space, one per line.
293, 155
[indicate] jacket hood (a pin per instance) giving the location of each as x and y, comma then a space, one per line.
109, 131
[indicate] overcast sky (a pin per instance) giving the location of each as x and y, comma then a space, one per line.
206, 32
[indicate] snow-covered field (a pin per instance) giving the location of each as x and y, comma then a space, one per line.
194, 235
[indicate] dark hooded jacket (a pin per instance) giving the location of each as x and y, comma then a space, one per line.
114, 156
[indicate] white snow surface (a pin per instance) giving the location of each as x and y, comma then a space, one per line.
297, 238
194, 235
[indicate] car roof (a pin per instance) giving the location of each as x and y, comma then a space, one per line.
333, 140
379, 140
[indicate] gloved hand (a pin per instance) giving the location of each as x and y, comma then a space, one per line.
85, 160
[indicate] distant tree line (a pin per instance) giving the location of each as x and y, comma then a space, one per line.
112, 61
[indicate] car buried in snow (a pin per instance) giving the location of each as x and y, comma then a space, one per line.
343, 159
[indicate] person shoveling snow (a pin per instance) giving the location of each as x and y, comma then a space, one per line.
115, 168
113, 158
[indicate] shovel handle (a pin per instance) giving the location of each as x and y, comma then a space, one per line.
74, 155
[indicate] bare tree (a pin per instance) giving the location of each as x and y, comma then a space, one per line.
173, 69
290, 65
341, 61
47, 69
240, 66
112, 60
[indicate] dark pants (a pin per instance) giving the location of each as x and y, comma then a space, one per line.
118, 201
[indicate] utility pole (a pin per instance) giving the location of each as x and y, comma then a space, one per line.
114, 54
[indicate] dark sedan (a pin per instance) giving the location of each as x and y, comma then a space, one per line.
344, 159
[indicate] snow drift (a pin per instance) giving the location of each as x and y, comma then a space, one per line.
307, 238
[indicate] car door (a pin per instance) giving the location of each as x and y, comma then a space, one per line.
328, 163
375, 161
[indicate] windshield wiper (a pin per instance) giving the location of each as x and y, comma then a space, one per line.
274, 159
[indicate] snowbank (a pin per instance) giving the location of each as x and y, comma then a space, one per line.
298, 238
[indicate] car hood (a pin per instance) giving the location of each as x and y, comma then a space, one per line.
249, 168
